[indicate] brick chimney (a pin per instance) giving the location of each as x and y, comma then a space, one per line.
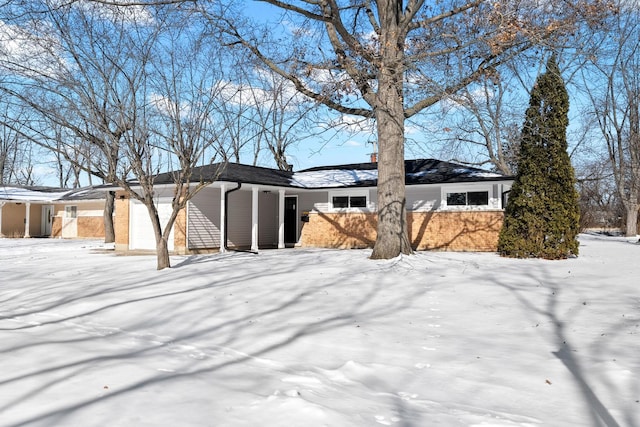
374, 157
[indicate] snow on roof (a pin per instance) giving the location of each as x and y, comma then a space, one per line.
31, 195
49, 194
333, 178
422, 173
472, 172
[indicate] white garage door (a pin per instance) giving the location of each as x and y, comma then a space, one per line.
141, 234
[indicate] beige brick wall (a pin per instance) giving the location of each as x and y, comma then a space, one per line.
339, 230
91, 227
180, 232
56, 226
453, 231
88, 227
121, 221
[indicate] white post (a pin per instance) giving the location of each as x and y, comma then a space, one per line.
280, 219
223, 230
27, 219
1, 205
254, 218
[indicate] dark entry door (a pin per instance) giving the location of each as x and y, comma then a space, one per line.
290, 220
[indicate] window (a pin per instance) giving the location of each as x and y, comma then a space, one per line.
342, 200
358, 201
478, 198
71, 211
456, 199
468, 198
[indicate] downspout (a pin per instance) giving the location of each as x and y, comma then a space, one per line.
226, 219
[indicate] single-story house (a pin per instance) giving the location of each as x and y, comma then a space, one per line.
51, 212
449, 207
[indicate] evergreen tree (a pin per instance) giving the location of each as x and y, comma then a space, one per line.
542, 215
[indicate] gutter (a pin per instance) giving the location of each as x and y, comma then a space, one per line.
226, 221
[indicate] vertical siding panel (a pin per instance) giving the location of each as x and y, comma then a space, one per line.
203, 222
268, 219
239, 219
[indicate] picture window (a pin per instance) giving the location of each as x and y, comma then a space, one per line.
348, 201
468, 198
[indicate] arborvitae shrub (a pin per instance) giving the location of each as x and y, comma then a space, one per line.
542, 214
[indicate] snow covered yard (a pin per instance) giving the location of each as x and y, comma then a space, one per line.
318, 338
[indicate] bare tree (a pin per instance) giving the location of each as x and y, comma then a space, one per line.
132, 90
482, 121
236, 108
14, 149
612, 83
263, 114
600, 205
389, 60
78, 81
282, 115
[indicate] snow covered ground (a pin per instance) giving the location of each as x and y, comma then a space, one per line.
309, 338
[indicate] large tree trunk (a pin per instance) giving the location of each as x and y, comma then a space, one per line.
393, 238
162, 248
631, 220
109, 232
162, 251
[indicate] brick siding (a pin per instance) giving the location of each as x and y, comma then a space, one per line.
180, 233
452, 231
91, 226
88, 227
121, 221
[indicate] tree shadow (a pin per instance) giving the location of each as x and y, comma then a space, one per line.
216, 279
566, 352
456, 231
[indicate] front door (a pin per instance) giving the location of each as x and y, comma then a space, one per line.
47, 220
290, 220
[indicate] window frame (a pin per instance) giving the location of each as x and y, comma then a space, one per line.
446, 191
349, 194
71, 211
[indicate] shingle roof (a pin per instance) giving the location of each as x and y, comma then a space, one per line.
419, 171
86, 193
233, 172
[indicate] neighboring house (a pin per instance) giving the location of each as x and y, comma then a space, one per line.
449, 207
51, 212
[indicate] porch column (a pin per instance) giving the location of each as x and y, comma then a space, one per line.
1, 205
27, 220
223, 229
254, 218
280, 219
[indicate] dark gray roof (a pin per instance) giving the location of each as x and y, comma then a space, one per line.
233, 172
86, 193
419, 171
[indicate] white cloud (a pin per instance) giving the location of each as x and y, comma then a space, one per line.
353, 143
133, 14
168, 108
473, 95
28, 53
353, 124
257, 95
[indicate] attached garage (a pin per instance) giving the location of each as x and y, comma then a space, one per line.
141, 235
